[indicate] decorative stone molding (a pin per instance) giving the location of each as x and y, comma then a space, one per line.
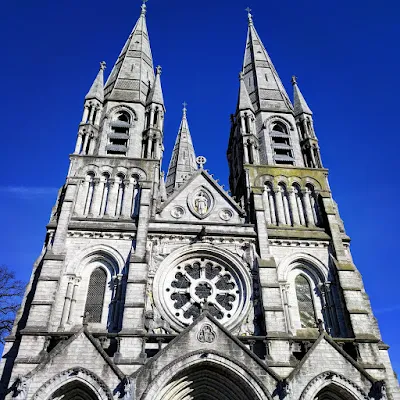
206, 334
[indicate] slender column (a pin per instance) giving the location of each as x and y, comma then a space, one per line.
315, 209
112, 202
152, 115
89, 197
149, 143
98, 116
85, 114
308, 209
313, 158
91, 114
326, 307
78, 143
288, 317
93, 206
267, 210
97, 197
157, 149
120, 198
271, 199
67, 302
286, 208
128, 196
293, 206
245, 153
300, 208
92, 144
243, 124
81, 197
85, 143
73, 301
104, 197
117, 300
279, 206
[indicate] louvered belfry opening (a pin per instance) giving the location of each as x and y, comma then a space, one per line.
95, 295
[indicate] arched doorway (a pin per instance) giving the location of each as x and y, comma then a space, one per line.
206, 382
334, 392
74, 390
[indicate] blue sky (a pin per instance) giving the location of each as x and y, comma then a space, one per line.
345, 55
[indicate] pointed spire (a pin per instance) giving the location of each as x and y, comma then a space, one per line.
260, 76
97, 89
244, 102
183, 160
156, 94
300, 104
132, 73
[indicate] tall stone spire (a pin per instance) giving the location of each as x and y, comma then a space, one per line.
300, 104
262, 81
156, 94
96, 91
130, 77
183, 160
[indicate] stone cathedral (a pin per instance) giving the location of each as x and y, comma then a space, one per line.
156, 287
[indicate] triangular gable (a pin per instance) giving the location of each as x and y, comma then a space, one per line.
85, 353
204, 340
325, 356
181, 206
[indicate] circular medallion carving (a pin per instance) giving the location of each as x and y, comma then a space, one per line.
177, 212
186, 285
225, 214
206, 334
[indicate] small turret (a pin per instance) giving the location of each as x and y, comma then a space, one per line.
305, 127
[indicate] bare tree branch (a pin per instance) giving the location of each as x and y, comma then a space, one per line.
11, 291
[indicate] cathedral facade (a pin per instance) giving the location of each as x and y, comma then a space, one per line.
158, 287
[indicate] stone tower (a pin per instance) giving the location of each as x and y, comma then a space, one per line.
151, 289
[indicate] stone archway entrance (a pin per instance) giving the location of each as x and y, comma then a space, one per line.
74, 390
206, 382
333, 392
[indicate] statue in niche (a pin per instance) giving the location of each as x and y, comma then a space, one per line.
201, 203
247, 327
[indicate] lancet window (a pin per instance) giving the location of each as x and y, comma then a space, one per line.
305, 302
95, 295
281, 144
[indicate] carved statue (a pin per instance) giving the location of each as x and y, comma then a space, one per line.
201, 203
247, 327
21, 388
155, 324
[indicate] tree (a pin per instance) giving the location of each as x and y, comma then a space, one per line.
11, 291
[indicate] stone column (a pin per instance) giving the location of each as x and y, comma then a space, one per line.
104, 197
91, 114
245, 153
286, 208
300, 208
112, 200
97, 198
81, 197
89, 197
152, 115
120, 198
267, 211
67, 302
149, 145
98, 116
308, 209
279, 206
78, 143
73, 302
128, 197
85, 114
85, 142
243, 124
286, 306
294, 206
92, 145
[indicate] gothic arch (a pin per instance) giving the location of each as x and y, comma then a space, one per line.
139, 172
213, 374
314, 266
114, 110
338, 382
277, 118
82, 377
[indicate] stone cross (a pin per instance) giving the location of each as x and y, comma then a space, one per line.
200, 160
103, 65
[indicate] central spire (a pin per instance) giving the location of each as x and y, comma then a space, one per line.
130, 77
183, 160
262, 81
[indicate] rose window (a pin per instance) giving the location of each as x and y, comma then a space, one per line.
190, 285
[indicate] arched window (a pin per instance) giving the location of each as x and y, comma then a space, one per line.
281, 145
95, 295
305, 302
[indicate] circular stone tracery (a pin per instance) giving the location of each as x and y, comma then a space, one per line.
193, 282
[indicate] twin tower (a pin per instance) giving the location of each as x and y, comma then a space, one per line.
151, 287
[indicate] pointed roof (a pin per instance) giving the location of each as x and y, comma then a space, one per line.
156, 94
244, 102
130, 77
262, 81
96, 91
300, 104
183, 160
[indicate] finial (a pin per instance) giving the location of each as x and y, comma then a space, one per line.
144, 7
158, 69
200, 160
294, 80
249, 16
184, 108
103, 65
